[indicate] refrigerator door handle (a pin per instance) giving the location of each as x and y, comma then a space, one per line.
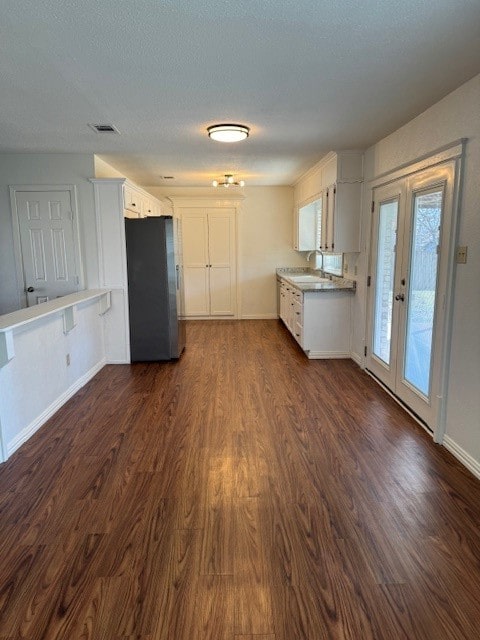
177, 271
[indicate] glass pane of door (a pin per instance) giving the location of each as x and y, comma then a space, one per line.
422, 288
384, 280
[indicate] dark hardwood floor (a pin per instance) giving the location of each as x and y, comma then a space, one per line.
243, 493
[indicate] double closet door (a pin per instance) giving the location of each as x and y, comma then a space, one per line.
209, 262
409, 267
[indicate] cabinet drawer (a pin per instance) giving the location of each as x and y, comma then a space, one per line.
298, 295
298, 312
298, 333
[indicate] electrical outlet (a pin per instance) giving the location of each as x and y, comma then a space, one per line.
68, 359
355, 270
462, 255
346, 268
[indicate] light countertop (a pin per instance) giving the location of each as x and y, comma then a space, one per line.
335, 284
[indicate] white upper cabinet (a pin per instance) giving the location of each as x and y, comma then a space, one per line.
340, 228
140, 204
328, 203
132, 201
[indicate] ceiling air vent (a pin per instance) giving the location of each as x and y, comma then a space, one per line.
104, 128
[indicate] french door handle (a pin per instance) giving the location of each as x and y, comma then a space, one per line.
400, 296
29, 289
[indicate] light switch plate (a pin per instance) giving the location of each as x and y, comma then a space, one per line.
462, 255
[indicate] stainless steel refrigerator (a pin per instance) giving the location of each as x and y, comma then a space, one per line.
155, 290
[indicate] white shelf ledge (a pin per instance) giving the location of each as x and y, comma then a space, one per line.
11, 321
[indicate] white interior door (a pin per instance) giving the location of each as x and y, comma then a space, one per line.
409, 256
45, 221
221, 244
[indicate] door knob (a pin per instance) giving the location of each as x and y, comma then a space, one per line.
400, 296
30, 289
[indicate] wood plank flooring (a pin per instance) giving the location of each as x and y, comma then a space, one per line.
243, 493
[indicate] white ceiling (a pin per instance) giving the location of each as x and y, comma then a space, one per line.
307, 76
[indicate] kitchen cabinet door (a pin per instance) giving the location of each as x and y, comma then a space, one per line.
221, 250
132, 201
195, 264
209, 254
340, 228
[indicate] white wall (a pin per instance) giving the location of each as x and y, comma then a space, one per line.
37, 381
265, 242
105, 170
456, 116
52, 169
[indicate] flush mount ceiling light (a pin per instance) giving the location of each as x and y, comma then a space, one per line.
228, 182
228, 132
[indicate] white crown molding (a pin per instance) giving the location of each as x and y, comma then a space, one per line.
207, 201
323, 161
318, 165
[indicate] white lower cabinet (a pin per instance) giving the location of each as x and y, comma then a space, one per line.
318, 320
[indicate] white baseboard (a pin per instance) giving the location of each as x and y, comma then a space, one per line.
261, 316
357, 358
326, 355
117, 362
30, 429
465, 458
194, 318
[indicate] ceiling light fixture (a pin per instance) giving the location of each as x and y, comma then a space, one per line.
228, 182
228, 132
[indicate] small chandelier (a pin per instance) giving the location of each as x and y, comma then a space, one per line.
228, 182
228, 132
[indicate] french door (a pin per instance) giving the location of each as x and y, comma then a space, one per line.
409, 265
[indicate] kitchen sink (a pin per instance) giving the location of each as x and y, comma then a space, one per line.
306, 277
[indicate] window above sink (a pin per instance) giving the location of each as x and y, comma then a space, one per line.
332, 263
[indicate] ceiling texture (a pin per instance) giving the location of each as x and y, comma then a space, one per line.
308, 76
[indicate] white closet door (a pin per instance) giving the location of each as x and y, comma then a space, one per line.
195, 262
221, 234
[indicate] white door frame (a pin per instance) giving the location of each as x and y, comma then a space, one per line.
17, 245
452, 152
